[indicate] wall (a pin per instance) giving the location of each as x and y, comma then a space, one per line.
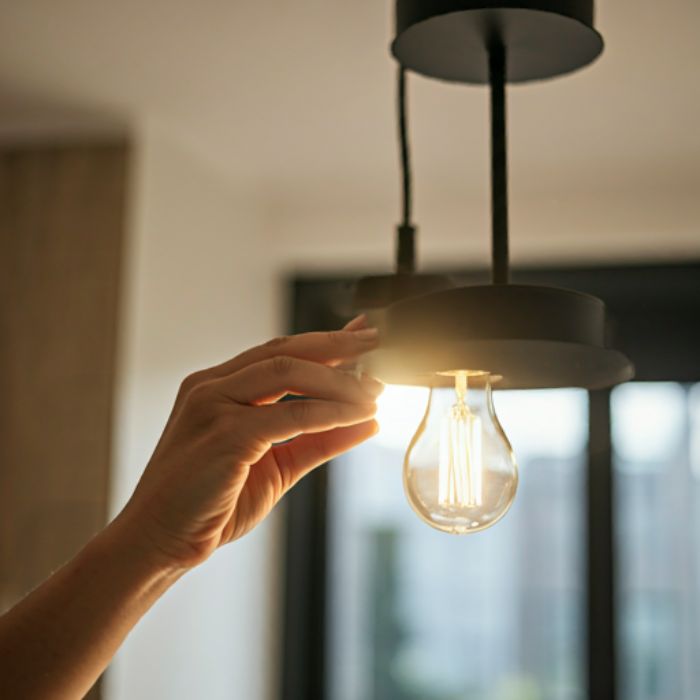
197, 289
626, 223
61, 226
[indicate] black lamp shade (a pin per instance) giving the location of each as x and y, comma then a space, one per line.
530, 336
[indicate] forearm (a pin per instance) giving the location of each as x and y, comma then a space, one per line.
57, 641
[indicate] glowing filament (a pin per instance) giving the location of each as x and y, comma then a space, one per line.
460, 469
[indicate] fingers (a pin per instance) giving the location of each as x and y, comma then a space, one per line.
269, 380
329, 347
285, 420
298, 457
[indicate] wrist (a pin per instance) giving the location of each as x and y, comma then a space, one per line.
124, 541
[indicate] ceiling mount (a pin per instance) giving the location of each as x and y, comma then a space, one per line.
531, 337
450, 39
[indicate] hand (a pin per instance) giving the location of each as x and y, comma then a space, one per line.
219, 467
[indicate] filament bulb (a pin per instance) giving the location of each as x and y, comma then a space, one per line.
460, 473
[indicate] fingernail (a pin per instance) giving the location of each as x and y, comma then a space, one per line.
371, 385
358, 322
367, 334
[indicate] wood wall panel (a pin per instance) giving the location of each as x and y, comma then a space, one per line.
62, 217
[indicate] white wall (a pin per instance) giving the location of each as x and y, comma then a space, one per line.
197, 289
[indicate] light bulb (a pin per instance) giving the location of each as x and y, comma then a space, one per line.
460, 473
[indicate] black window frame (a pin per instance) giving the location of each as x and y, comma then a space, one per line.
656, 310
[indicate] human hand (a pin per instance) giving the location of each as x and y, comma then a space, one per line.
221, 463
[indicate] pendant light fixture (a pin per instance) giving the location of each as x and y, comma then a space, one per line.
460, 474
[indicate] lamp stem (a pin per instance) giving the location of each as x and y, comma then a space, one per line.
499, 164
406, 231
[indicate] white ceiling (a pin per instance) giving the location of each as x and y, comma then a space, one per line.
295, 97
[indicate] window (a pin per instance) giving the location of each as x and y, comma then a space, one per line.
415, 614
656, 458
588, 589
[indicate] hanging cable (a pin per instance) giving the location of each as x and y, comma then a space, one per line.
405, 251
406, 174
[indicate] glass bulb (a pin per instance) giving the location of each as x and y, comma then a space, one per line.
460, 473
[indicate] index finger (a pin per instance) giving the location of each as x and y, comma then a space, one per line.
326, 347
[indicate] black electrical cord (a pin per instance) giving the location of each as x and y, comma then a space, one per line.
406, 174
405, 250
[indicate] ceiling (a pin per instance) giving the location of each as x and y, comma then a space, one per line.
296, 98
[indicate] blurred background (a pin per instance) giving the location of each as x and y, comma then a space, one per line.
181, 180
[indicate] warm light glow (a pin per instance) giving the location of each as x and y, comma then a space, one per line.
399, 411
460, 473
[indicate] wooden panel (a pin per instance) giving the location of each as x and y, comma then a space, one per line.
61, 230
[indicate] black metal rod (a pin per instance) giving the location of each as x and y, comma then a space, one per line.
499, 164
